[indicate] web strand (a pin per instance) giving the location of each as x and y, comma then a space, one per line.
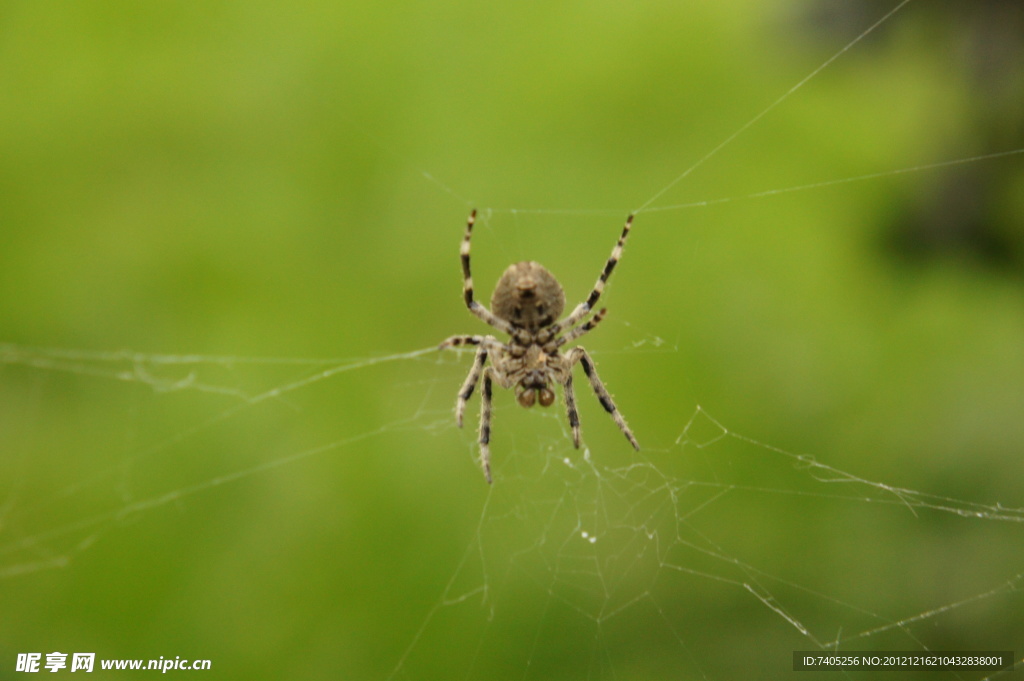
567, 540
764, 112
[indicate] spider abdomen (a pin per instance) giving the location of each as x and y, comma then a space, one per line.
528, 295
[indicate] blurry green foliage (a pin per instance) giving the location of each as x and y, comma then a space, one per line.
254, 180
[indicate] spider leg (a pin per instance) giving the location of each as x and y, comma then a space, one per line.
484, 344
578, 354
466, 391
485, 425
467, 285
573, 334
586, 306
570, 407
488, 342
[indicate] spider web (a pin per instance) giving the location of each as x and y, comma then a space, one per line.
715, 552
582, 549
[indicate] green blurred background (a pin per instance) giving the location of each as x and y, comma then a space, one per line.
227, 229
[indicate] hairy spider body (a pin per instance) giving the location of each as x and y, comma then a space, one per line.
526, 303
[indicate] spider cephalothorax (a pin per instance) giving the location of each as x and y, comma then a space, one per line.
526, 304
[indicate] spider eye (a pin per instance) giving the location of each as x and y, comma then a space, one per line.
547, 398
527, 397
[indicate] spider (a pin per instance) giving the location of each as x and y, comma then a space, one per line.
526, 303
